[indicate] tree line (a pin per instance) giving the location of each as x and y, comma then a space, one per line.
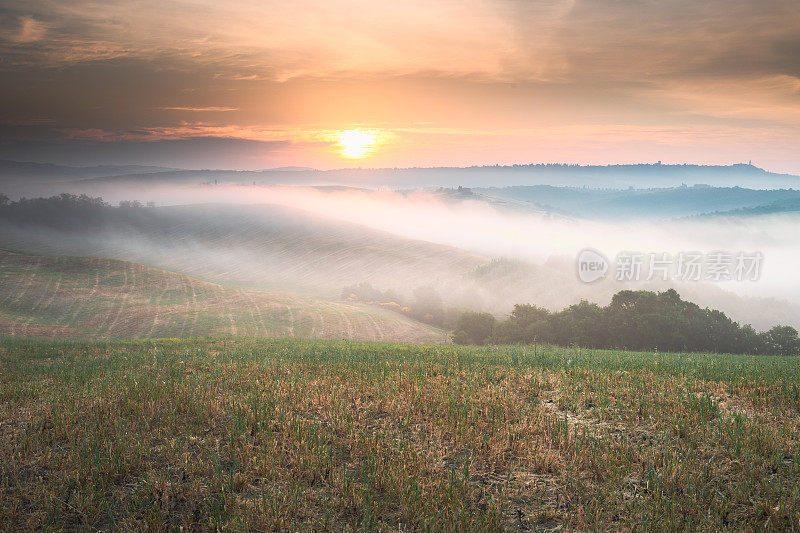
72, 209
634, 320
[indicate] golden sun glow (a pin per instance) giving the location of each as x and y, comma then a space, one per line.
357, 144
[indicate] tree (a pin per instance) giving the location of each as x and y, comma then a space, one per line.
474, 328
583, 324
526, 324
783, 340
642, 320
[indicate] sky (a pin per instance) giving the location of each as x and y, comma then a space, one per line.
332, 84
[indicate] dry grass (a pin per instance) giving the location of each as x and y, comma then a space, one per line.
266, 435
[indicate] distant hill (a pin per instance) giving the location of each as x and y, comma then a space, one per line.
603, 176
641, 203
88, 298
592, 176
47, 172
292, 169
193, 177
785, 205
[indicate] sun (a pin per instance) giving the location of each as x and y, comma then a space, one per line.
357, 144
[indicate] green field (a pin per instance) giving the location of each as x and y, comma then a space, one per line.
57, 297
288, 434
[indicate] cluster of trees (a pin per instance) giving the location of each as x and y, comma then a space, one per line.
425, 305
63, 200
634, 320
77, 209
53, 211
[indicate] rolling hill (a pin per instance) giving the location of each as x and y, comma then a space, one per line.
656, 203
778, 207
266, 246
88, 298
49, 173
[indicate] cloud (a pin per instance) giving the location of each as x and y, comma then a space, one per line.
211, 109
194, 130
21, 29
30, 30
500, 39
477, 68
196, 152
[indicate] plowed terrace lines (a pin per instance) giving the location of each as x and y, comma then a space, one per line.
65, 297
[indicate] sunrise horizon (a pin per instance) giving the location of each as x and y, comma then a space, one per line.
363, 167
427, 84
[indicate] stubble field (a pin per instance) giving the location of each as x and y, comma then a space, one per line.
290, 434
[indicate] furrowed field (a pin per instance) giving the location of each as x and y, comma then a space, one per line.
290, 434
46, 297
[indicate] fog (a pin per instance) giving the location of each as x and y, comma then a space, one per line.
478, 255
480, 227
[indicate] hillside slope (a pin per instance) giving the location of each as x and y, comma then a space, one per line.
267, 246
69, 297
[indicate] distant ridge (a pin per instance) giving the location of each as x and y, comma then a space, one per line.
593, 176
290, 169
616, 176
30, 169
786, 205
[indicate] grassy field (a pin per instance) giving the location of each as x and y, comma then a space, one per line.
291, 434
87, 298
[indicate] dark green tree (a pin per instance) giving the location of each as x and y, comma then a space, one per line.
783, 340
474, 328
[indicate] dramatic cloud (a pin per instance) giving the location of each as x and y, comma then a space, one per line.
502, 39
440, 75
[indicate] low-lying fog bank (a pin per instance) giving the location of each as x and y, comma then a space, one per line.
475, 253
